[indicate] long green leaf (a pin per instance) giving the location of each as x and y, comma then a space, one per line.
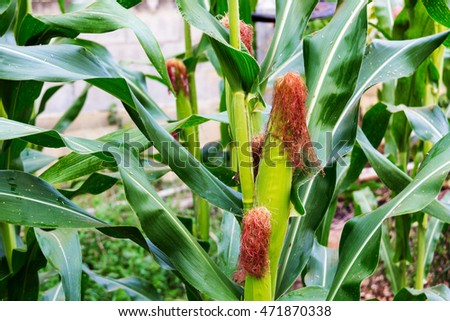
332, 59
362, 233
394, 178
288, 34
62, 249
72, 112
7, 10
163, 228
384, 61
100, 17
29, 201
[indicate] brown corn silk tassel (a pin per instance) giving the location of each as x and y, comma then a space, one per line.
255, 239
257, 147
246, 32
178, 75
288, 120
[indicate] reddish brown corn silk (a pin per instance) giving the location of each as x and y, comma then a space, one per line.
178, 75
288, 120
257, 147
246, 32
255, 239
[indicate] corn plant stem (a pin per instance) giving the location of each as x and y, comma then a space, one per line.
201, 206
243, 149
273, 190
420, 264
233, 12
9, 241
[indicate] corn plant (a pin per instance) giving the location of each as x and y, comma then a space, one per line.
289, 153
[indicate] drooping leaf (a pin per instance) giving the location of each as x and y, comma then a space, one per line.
436, 293
99, 17
429, 123
34, 160
361, 236
163, 228
95, 184
62, 249
29, 201
384, 61
137, 289
396, 179
72, 112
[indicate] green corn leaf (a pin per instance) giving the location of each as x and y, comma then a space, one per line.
429, 123
95, 184
384, 10
62, 249
395, 179
7, 10
29, 201
163, 228
48, 94
383, 61
34, 160
288, 34
387, 254
333, 58
137, 289
99, 17
195, 174
228, 245
300, 237
321, 267
26, 265
364, 201
374, 125
240, 69
436, 293
361, 236
439, 10
310, 293
73, 111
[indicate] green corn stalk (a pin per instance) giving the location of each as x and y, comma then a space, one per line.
184, 108
201, 206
